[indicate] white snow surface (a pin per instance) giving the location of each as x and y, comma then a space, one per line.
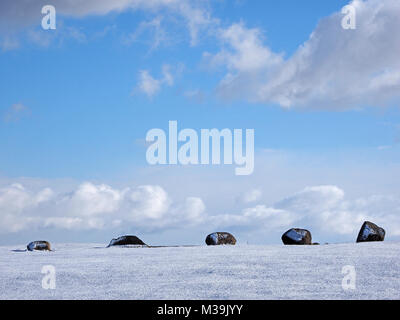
91, 271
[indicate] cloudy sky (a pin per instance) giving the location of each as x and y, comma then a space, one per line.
76, 104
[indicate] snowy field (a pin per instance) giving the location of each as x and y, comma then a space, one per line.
90, 271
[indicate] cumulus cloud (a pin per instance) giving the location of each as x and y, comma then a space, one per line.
92, 206
151, 86
334, 69
151, 200
17, 206
192, 211
91, 200
321, 209
312, 199
243, 50
147, 84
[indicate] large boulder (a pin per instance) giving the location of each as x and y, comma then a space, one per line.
219, 238
297, 236
126, 240
370, 232
39, 245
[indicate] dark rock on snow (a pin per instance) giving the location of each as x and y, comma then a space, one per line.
218, 238
370, 232
296, 236
126, 240
39, 245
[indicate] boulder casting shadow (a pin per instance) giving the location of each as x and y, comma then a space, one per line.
40, 245
370, 232
220, 238
296, 236
126, 240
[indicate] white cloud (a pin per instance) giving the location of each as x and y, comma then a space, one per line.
192, 211
9, 43
251, 195
147, 84
58, 36
155, 28
17, 205
312, 199
167, 76
90, 200
15, 198
334, 69
384, 147
92, 206
17, 15
150, 202
322, 209
16, 112
269, 218
245, 51
73, 223
195, 95
151, 86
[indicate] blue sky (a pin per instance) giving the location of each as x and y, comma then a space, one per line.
74, 110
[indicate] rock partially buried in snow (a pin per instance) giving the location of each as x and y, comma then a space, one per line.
39, 245
126, 240
296, 236
219, 238
370, 232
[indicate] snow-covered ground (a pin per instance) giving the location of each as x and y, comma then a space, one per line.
90, 271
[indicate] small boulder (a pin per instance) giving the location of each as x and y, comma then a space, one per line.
370, 232
39, 245
126, 240
219, 238
296, 236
